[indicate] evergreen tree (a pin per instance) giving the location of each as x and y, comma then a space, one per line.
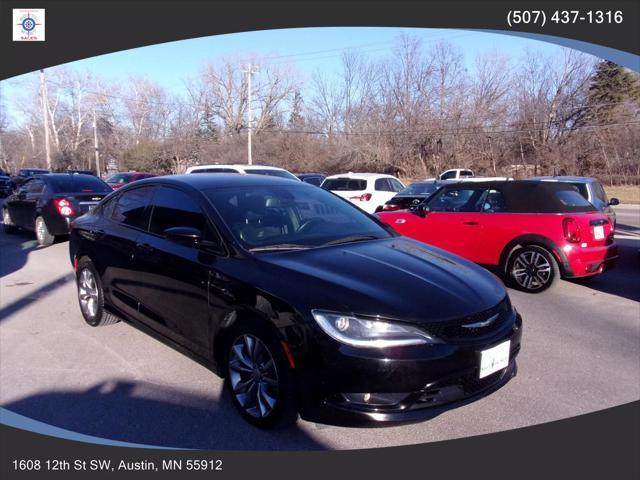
611, 86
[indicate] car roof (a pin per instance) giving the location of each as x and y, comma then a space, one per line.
564, 178
237, 165
360, 175
220, 180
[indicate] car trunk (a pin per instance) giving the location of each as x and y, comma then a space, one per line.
81, 202
589, 229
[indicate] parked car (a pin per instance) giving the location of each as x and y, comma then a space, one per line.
77, 171
532, 232
46, 204
6, 186
302, 301
412, 195
591, 189
25, 174
312, 178
243, 170
366, 190
118, 180
456, 174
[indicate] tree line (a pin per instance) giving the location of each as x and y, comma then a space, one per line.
414, 112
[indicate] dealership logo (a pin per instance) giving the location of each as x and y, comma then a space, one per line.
28, 24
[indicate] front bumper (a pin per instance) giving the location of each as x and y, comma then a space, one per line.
435, 379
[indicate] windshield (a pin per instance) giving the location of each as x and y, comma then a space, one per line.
79, 183
290, 216
272, 173
419, 189
119, 178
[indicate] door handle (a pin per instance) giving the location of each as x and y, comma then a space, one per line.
145, 247
470, 223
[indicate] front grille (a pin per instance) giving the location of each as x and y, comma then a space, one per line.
460, 330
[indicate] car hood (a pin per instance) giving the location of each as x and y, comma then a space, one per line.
394, 278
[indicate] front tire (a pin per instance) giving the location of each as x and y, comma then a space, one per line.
91, 295
42, 233
533, 269
7, 224
260, 379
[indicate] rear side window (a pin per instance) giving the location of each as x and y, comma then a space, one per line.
383, 185
132, 207
174, 208
344, 184
78, 184
571, 198
494, 202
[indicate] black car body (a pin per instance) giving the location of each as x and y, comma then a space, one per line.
6, 186
413, 195
364, 326
46, 204
312, 178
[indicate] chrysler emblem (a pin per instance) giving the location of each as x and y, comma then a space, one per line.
483, 323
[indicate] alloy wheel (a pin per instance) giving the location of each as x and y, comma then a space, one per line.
531, 270
253, 376
88, 293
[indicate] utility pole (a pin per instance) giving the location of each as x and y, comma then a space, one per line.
95, 142
249, 71
45, 118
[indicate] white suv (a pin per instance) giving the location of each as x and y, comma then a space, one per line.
244, 170
366, 190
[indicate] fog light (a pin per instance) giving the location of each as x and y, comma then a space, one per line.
374, 399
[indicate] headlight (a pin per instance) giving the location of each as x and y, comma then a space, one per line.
360, 332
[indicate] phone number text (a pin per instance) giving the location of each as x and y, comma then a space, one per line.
540, 17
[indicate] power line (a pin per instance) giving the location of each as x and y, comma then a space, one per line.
469, 131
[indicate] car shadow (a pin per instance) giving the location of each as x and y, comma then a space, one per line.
624, 279
156, 415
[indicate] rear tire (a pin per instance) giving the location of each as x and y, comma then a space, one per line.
42, 233
532, 269
91, 295
259, 378
7, 224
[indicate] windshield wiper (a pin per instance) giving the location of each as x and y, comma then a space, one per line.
279, 246
351, 238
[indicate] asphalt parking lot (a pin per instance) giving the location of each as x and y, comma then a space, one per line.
581, 353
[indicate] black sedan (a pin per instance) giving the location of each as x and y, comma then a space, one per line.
302, 301
46, 204
412, 195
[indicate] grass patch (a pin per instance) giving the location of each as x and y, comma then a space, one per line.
624, 193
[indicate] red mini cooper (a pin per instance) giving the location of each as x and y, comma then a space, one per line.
532, 232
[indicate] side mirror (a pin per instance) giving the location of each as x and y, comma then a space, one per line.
421, 210
614, 201
183, 235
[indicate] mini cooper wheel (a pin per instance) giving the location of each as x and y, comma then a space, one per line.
533, 269
91, 296
42, 233
7, 224
260, 379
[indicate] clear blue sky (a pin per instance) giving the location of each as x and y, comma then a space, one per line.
308, 49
